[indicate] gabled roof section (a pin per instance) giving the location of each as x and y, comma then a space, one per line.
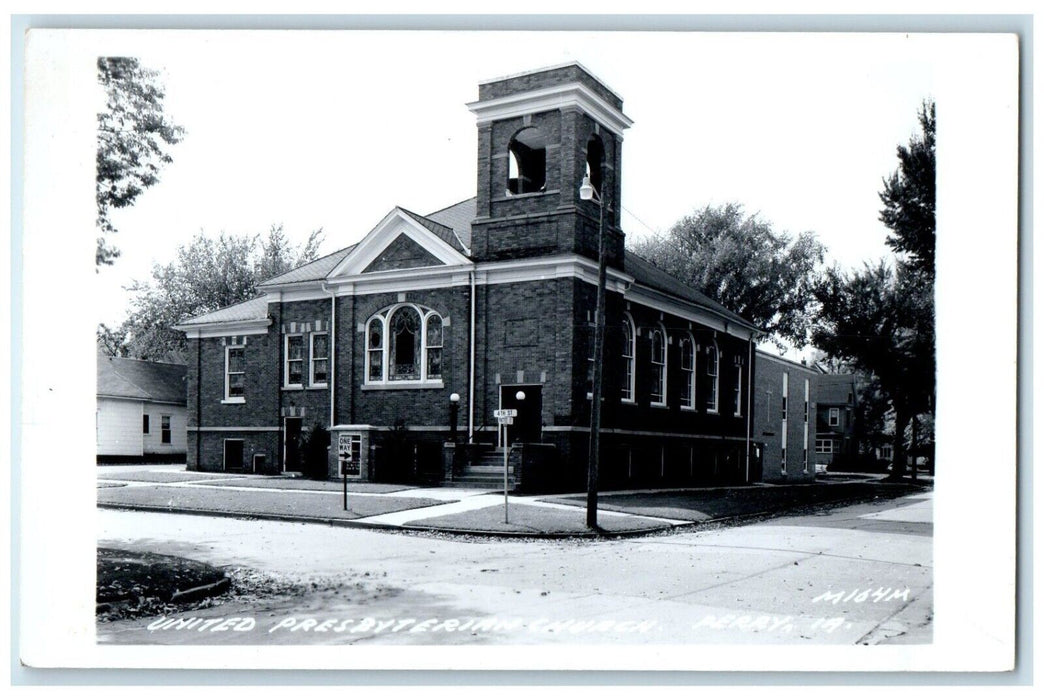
835, 388
311, 272
252, 310
458, 217
645, 273
123, 377
437, 239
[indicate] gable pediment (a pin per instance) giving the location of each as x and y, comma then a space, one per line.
403, 253
399, 242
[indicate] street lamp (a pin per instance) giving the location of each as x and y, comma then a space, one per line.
587, 194
453, 408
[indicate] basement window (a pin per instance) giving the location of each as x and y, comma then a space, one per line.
527, 162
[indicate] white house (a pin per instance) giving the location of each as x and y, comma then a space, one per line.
141, 410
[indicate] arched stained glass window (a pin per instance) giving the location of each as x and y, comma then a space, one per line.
404, 343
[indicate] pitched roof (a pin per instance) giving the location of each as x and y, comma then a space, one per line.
458, 217
644, 272
310, 272
124, 377
836, 388
253, 310
446, 233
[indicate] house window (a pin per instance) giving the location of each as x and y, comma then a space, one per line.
688, 372
804, 461
886, 452
737, 390
835, 417
235, 374
404, 343
527, 162
824, 447
145, 423
165, 430
711, 362
375, 350
627, 391
319, 373
806, 401
783, 460
433, 345
294, 369
786, 382
658, 344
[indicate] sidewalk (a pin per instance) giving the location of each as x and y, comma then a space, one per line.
467, 511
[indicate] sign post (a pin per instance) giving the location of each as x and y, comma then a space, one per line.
505, 417
345, 457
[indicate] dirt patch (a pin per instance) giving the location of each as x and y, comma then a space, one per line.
135, 584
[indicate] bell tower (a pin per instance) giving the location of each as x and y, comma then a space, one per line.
539, 134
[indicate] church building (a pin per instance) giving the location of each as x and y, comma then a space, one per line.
394, 353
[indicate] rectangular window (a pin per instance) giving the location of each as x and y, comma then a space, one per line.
835, 417
145, 423
806, 402
165, 430
786, 381
805, 461
235, 373
737, 391
294, 368
688, 374
886, 452
658, 359
824, 447
783, 461
320, 359
712, 379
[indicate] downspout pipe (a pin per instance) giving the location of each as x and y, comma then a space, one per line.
332, 379
471, 367
750, 393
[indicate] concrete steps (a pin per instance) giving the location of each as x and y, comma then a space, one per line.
486, 472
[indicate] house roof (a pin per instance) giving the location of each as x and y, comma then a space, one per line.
252, 310
444, 232
646, 273
835, 388
123, 377
313, 271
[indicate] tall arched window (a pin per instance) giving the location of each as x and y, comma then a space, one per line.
404, 344
711, 360
658, 357
627, 352
688, 371
527, 161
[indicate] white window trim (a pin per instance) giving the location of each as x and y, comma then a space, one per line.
690, 405
834, 417
234, 399
628, 396
312, 384
286, 361
713, 348
169, 431
663, 367
385, 316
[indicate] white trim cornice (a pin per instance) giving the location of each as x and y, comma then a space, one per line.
217, 329
547, 99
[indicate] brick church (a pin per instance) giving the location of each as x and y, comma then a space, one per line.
393, 354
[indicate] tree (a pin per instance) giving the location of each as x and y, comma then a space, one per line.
875, 319
741, 262
208, 274
133, 133
909, 197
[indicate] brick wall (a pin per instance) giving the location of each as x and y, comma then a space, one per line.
768, 419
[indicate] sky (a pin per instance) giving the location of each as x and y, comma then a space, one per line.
334, 129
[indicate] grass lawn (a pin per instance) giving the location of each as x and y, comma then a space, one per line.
316, 504
713, 503
162, 477
534, 520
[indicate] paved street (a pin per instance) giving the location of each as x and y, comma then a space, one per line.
860, 574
